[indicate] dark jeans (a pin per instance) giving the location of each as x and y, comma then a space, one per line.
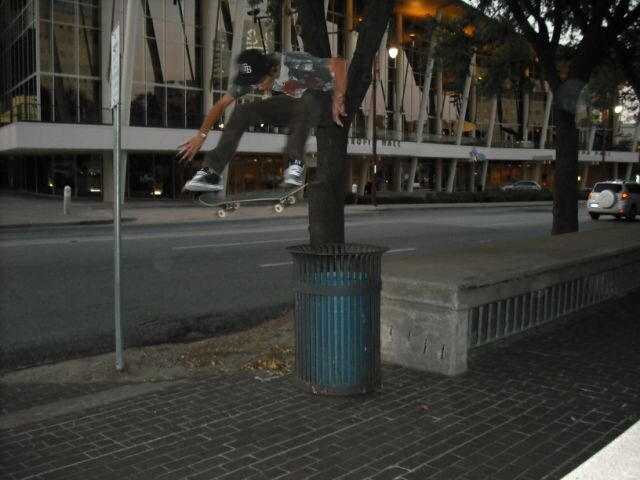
313, 109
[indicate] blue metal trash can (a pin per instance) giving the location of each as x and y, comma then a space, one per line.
337, 318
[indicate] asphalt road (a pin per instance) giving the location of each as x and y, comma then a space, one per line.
189, 280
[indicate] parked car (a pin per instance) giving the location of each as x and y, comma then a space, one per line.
522, 184
614, 197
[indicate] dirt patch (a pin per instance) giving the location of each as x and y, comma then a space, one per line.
267, 347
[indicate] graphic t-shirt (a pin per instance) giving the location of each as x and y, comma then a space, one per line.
299, 71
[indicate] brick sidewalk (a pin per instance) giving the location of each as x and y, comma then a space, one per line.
530, 409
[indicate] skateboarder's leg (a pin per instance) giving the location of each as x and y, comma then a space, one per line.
312, 110
274, 110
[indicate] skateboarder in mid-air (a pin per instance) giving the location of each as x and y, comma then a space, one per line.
312, 96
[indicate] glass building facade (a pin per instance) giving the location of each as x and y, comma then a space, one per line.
55, 57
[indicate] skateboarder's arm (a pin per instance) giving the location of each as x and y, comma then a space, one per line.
192, 146
339, 70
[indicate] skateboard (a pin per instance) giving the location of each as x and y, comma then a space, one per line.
280, 198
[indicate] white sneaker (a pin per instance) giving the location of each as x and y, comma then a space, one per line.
204, 180
294, 175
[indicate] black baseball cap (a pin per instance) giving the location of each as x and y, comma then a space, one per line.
253, 66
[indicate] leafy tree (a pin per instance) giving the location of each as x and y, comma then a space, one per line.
570, 37
327, 194
627, 53
505, 59
602, 94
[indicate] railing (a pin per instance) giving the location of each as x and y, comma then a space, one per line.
503, 318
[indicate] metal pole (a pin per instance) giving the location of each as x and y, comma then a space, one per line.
115, 105
117, 240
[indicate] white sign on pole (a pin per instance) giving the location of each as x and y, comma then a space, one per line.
115, 66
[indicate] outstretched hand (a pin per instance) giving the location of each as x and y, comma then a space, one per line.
338, 110
190, 148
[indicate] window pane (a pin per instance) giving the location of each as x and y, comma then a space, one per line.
175, 107
89, 101
89, 16
89, 175
175, 63
141, 176
66, 94
89, 52
46, 38
64, 48
46, 99
192, 66
45, 10
194, 108
156, 106
64, 11
154, 54
30, 59
138, 105
44, 175
139, 62
63, 173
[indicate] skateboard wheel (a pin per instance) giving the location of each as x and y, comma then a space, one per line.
278, 208
291, 200
222, 213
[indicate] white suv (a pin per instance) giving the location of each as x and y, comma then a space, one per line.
615, 197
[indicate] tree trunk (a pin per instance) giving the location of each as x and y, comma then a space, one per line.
327, 195
327, 192
565, 199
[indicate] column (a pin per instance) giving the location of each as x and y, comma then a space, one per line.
398, 62
236, 47
584, 176
348, 30
472, 176
364, 175
461, 118
547, 116
627, 175
126, 81
439, 175
413, 168
537, 173
492, 125
483, 175
426, 87
286, 26
439, 100
525, 116
592, 138
209, 13
397, 175
636, 136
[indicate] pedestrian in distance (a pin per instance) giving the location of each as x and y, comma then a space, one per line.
307, 92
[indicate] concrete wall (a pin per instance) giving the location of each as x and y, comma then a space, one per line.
435, 308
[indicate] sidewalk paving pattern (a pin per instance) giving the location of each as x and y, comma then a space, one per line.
533, 408
530, 409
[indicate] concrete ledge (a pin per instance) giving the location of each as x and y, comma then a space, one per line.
436, 308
